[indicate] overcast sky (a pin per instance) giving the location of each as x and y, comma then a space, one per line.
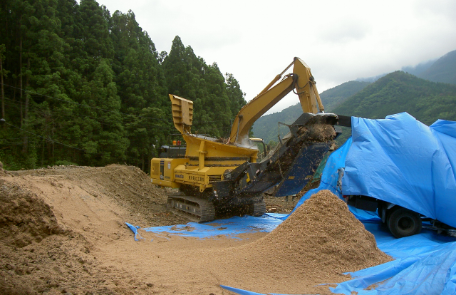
340, 40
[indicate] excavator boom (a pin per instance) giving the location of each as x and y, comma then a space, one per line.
301, 80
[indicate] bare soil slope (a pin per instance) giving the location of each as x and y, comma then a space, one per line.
62, 230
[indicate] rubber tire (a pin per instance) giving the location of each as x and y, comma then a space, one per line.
402, 222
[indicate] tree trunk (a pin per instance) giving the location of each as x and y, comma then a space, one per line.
20, 76
25, 141
3, 93
1, 67
42, 151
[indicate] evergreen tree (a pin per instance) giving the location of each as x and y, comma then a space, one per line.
38, 65
81, 86
3, 73
97, 43
141, 87
102, 137
235, 94
190, 77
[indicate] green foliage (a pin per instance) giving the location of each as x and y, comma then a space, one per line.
216, 101
401, 92
335, 96
13, 159
82, 86
65, 163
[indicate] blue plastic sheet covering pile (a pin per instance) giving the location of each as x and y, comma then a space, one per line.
402, 161
420, 161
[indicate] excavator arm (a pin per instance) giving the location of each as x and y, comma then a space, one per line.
301, 80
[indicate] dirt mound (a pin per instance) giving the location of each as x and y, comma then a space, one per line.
36, 254
24, 218
325, 237
59, 263
54, 221
2, 172
128, 186
320, 241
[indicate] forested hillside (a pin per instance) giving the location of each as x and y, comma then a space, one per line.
335, 96
402, 92
267, 126
83, 86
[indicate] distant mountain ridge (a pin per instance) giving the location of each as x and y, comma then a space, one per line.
418, 69
442, 70
402, 92
267, 127
335, 96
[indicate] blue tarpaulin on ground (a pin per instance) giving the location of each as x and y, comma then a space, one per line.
231, 227
424, 263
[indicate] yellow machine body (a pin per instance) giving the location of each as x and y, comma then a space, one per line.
206, 159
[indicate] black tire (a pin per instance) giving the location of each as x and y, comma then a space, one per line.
402, 222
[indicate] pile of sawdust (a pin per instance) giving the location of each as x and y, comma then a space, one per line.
128, 186
320, 241
2, 172
325, 237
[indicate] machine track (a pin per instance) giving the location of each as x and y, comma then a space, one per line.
258, 208
193, 208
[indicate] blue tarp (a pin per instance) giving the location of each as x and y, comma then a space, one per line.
424, 264
402, 161
231, 227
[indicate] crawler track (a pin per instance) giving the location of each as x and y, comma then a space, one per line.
193, 208
258, 208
